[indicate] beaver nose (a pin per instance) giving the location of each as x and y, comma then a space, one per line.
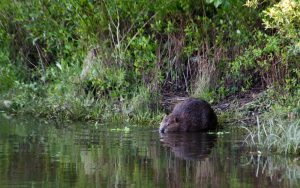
162, 130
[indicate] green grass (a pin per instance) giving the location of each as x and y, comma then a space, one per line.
66, 102
279, 128
275, 134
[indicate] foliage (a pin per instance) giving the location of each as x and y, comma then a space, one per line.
272, 57
274, 61
7, 77
100, 59
284, 17
7, 74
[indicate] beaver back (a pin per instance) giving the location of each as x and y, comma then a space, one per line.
193, 115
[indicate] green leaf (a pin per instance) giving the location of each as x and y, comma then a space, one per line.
217, 3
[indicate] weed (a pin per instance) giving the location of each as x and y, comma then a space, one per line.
275, 134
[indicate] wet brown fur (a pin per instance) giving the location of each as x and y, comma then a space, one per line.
190, 115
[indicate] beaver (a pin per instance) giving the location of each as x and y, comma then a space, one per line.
190, 115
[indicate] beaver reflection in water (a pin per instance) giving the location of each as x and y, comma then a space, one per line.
190, 115
192, 146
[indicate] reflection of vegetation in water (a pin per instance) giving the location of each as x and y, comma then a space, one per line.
76, 155
90, 156
277, 168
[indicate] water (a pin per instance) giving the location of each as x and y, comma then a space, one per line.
39, 154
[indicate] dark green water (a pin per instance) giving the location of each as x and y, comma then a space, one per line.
39, 154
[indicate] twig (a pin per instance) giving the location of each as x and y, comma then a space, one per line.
41, 59
134, 36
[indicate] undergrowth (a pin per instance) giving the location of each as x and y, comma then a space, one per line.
95, 60
278, 129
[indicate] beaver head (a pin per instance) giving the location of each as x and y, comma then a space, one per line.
170, 123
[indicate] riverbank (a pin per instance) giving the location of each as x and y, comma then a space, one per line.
270, 118
98, 61
272, 121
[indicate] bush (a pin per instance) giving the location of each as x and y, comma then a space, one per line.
80, 58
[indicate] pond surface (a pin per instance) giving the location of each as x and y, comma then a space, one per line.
39, 154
